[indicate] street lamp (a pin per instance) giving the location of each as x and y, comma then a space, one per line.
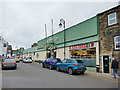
62, 23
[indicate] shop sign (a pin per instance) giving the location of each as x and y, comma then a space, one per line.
52, 39
82, 46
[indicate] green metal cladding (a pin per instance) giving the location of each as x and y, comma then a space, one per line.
20, 51
83, 32
30, 50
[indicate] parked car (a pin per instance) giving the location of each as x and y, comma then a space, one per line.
27, 59
17, 59
72, 66
21, 58
9, 63
51, 63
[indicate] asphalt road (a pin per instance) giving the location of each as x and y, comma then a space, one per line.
32, 75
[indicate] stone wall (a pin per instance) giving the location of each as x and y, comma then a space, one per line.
107, 34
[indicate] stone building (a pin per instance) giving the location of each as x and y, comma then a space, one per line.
109, 26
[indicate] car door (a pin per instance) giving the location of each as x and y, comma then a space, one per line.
48, 61
67, 64
62, 64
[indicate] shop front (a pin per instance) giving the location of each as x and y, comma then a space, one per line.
85, 52
50, 50
80, 42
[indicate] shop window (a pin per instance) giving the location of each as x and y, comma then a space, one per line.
112, 19
117, 42
89, 53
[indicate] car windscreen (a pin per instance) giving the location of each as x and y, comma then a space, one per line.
9, 60
56, 59
78, 61
28, 58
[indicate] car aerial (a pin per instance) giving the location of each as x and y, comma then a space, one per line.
17, 59
27, 59
9, 63
51, 63
72, 66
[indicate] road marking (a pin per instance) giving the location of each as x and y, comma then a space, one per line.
115, 81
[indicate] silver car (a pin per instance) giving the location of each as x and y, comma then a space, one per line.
27, 60
9, 63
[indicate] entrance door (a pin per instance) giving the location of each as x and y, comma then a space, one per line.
106, 64
48, 54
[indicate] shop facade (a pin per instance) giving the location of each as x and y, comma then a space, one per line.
95, 41
109, 26
81, 43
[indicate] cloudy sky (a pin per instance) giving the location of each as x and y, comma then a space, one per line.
22, 23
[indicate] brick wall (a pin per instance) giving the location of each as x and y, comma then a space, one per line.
107, 34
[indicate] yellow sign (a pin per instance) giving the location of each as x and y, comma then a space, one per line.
111, 51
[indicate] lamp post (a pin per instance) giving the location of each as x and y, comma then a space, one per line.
62, 23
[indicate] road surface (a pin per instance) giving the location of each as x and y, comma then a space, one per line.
32, 75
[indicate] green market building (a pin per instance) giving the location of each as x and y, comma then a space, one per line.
82, 42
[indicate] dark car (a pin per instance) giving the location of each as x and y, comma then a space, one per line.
51, 62
72, 66
9, 63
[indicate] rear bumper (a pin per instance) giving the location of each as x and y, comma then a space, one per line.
54, 65
28, 61
11, 66
80, 70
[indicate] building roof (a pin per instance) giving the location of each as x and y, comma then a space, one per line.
31, 50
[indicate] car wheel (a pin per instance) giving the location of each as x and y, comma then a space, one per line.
70, 71
58, 68
43, 65
2, 68
15, 67
50, 67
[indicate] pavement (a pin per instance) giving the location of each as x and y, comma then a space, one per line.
32, 75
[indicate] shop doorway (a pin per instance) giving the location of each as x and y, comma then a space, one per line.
106, 64
49, 54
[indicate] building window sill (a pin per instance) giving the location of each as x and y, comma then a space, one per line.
112, 25
116, 49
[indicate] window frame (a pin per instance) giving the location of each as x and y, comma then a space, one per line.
116, 42
4, 45
64, 61
69, 61
114, 18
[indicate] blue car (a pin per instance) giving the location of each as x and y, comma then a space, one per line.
72, 66
51, 63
